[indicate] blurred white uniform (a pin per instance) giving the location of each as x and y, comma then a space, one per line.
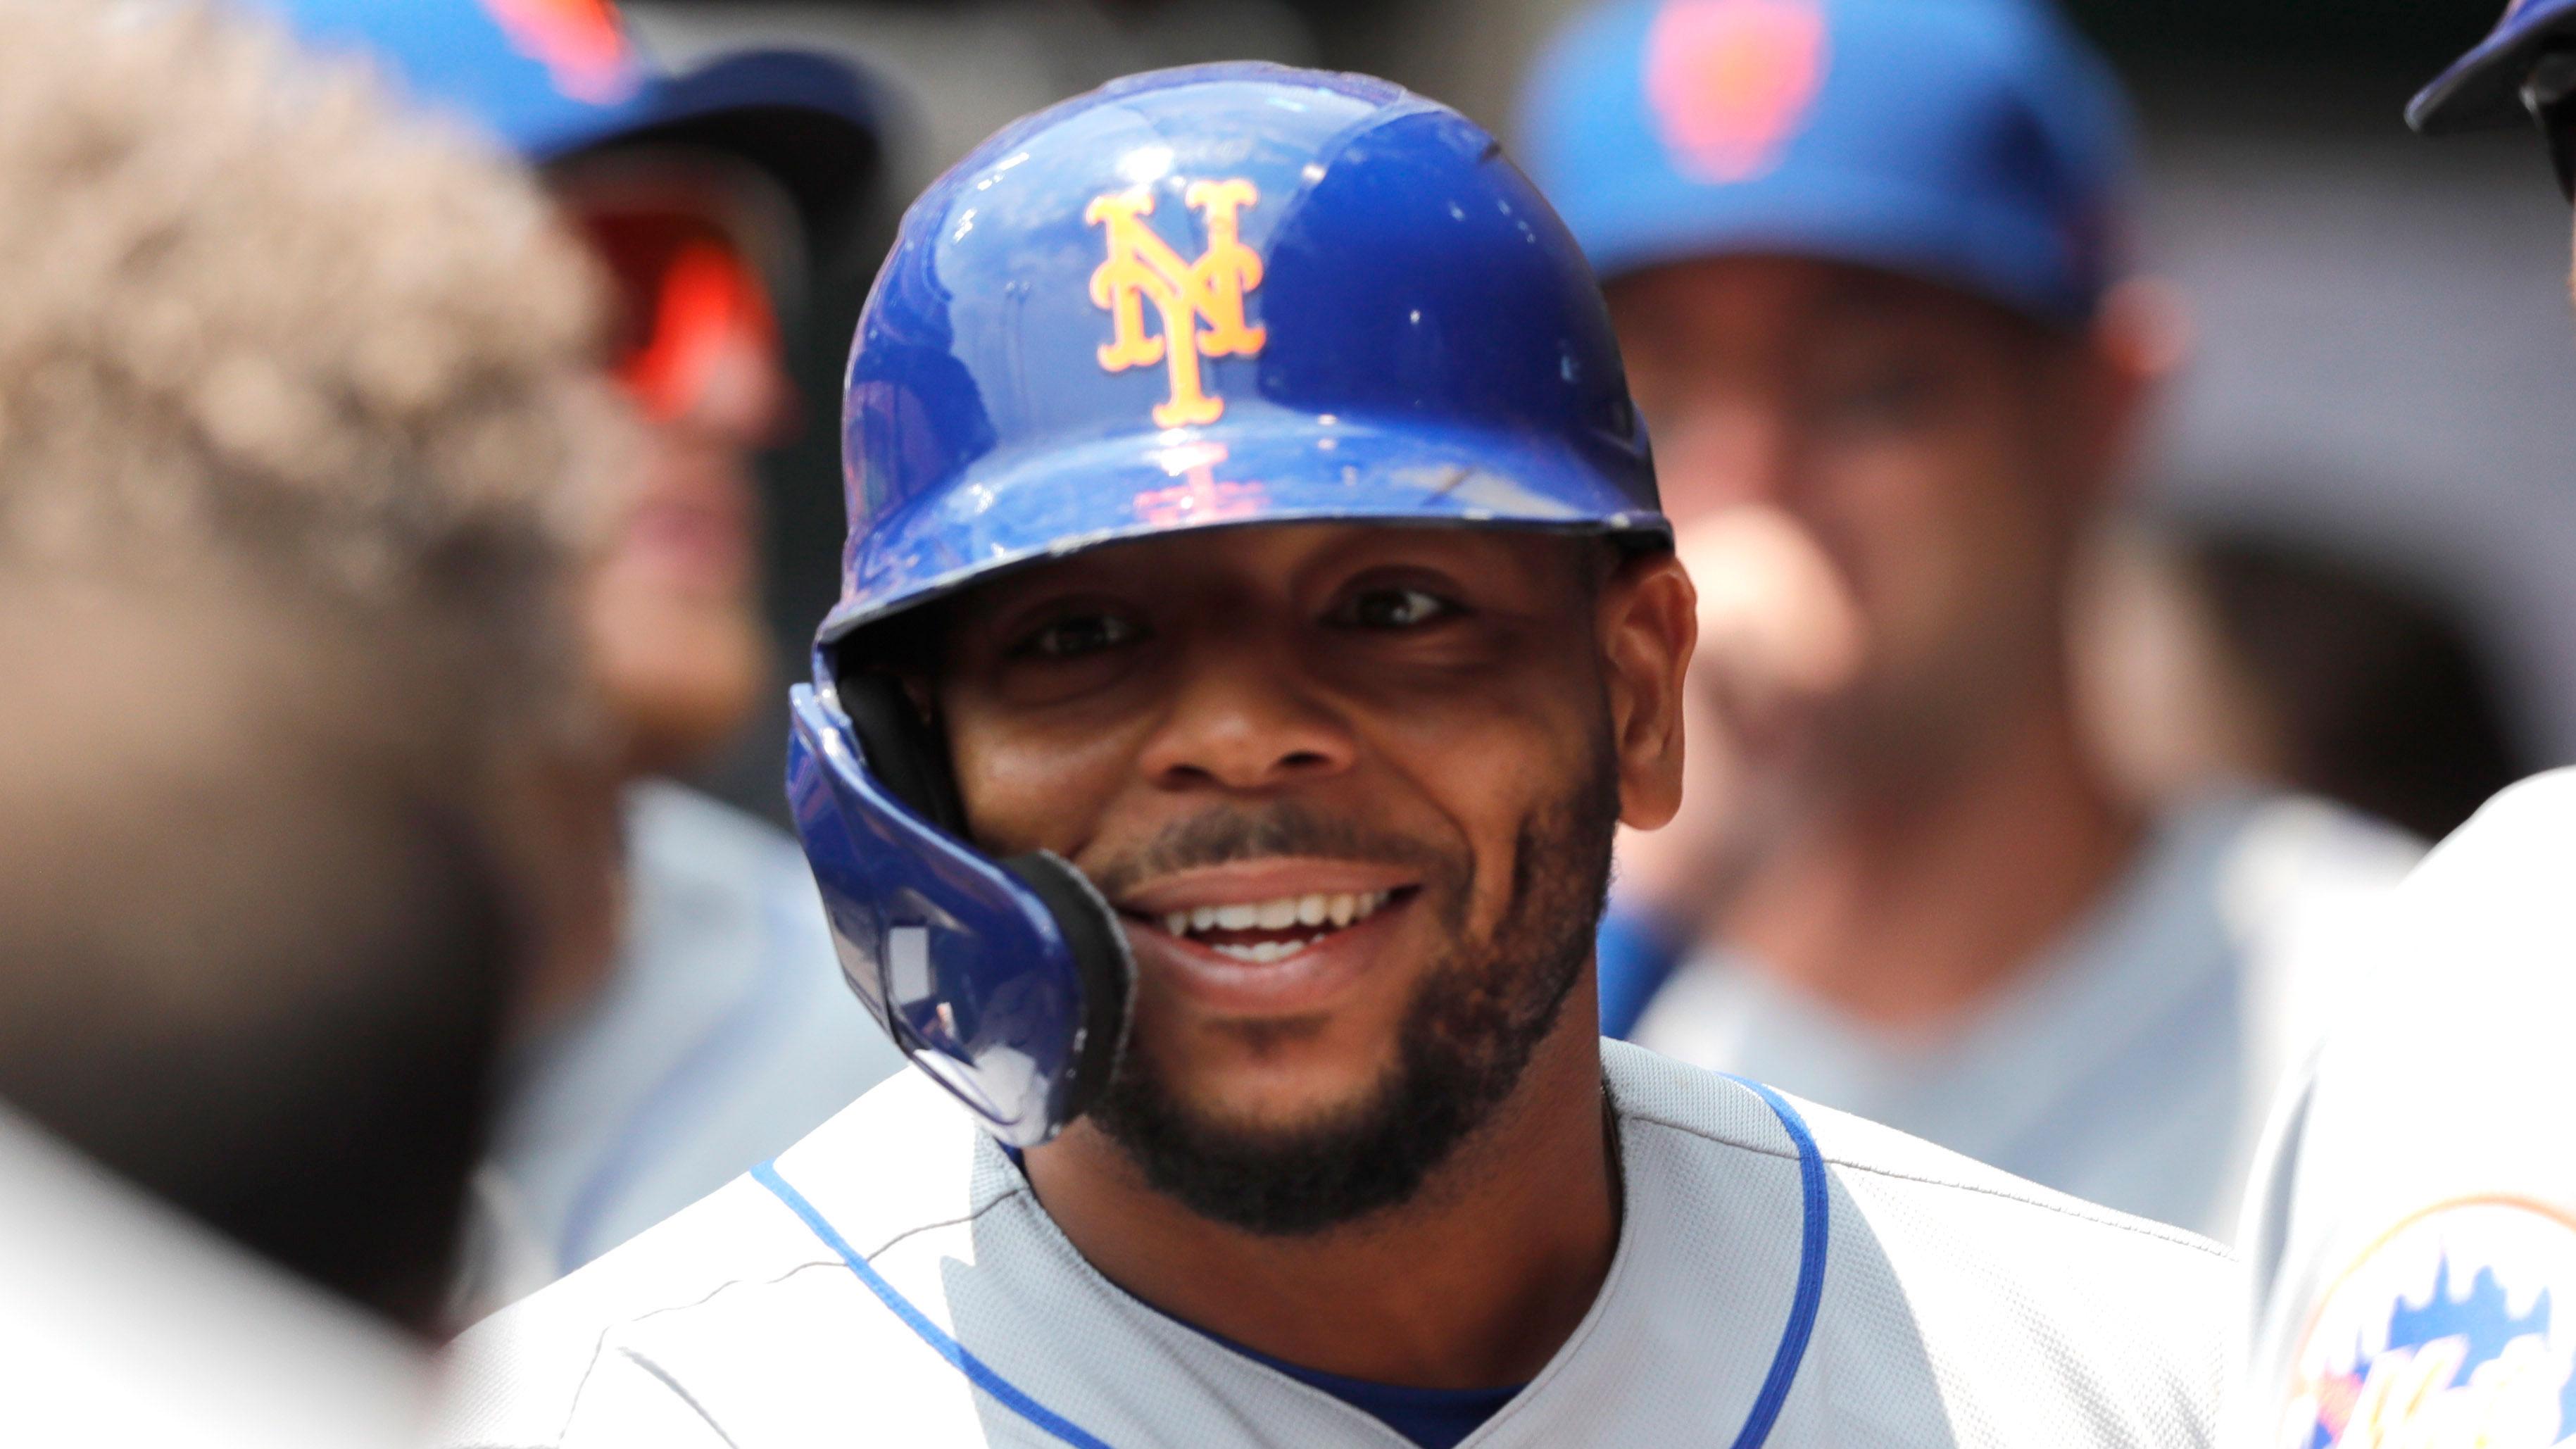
123, 1323
724, 1034
2135, 1067
2412, 1229
896, 1282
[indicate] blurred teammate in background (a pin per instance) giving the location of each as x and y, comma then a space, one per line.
302, 433
725, 1032
2412, 1231
2210, 653
1865, 259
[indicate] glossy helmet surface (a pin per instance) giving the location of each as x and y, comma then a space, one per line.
1199, 298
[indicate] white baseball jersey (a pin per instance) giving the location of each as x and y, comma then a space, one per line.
2413, 1228
2136, 1064
125, 1323
1785, 1275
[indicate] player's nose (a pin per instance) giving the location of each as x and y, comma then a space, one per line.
1239, 718
1725, 453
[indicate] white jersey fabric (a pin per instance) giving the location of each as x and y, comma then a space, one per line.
124, 1323
2133, 1067
894, 1281
2413, 1229
724, 1034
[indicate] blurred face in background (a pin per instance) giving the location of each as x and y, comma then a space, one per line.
675, 621
1933, 459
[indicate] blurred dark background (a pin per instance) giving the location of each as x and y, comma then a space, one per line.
2384, 363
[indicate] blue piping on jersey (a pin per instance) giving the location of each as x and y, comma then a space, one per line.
981, 1374
1815, 1222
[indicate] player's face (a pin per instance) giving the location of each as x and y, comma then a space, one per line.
1352, 790
674, 607
1923, 440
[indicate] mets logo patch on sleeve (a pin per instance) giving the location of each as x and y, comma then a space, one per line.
2456, 1329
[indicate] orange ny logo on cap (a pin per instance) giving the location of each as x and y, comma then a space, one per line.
1730, 81
581, 42
1143, 268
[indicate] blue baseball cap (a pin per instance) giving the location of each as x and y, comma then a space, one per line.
1980, 144
2484, 87
552, 79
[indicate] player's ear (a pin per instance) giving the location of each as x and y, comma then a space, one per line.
1648, 617
2139, 339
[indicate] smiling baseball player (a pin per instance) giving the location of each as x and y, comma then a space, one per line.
1257, 619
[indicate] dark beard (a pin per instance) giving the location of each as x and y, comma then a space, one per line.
1467, 1037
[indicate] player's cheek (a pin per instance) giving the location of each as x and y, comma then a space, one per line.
1029, 783
1487, 761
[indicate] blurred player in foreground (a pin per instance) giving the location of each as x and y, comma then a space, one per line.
1258, 620
259, 945
724, 1032
301, 426
2413, 1233
1865, 260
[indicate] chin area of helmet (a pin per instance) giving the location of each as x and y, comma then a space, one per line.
1008, 981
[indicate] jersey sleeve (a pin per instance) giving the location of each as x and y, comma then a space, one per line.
2412, 1225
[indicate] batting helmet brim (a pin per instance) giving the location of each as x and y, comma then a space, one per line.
807, 120
1325, 471
2483, 89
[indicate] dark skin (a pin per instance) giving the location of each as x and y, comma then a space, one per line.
1432, 685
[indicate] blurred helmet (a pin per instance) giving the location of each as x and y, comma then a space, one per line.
1978, 144
1199, 298
2484, 88
551, 79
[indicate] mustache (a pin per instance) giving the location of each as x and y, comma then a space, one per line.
1285, 828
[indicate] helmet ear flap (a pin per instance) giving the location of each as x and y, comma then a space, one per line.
1007, 981
1100, 957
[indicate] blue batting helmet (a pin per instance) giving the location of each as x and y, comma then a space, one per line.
1199, 298
553, 78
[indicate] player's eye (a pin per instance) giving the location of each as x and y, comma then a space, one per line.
1889, 396
1077, 637
1394, 607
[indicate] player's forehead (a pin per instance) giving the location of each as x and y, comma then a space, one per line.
1754, 302
1291, 564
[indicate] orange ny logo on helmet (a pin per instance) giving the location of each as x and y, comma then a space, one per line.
1730, 81
1143, 268
581, 42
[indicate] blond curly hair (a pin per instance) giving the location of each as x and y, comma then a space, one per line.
246, 304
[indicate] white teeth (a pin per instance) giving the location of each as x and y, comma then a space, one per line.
1262, 953
1281, 914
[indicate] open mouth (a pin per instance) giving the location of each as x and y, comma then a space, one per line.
1260, 932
